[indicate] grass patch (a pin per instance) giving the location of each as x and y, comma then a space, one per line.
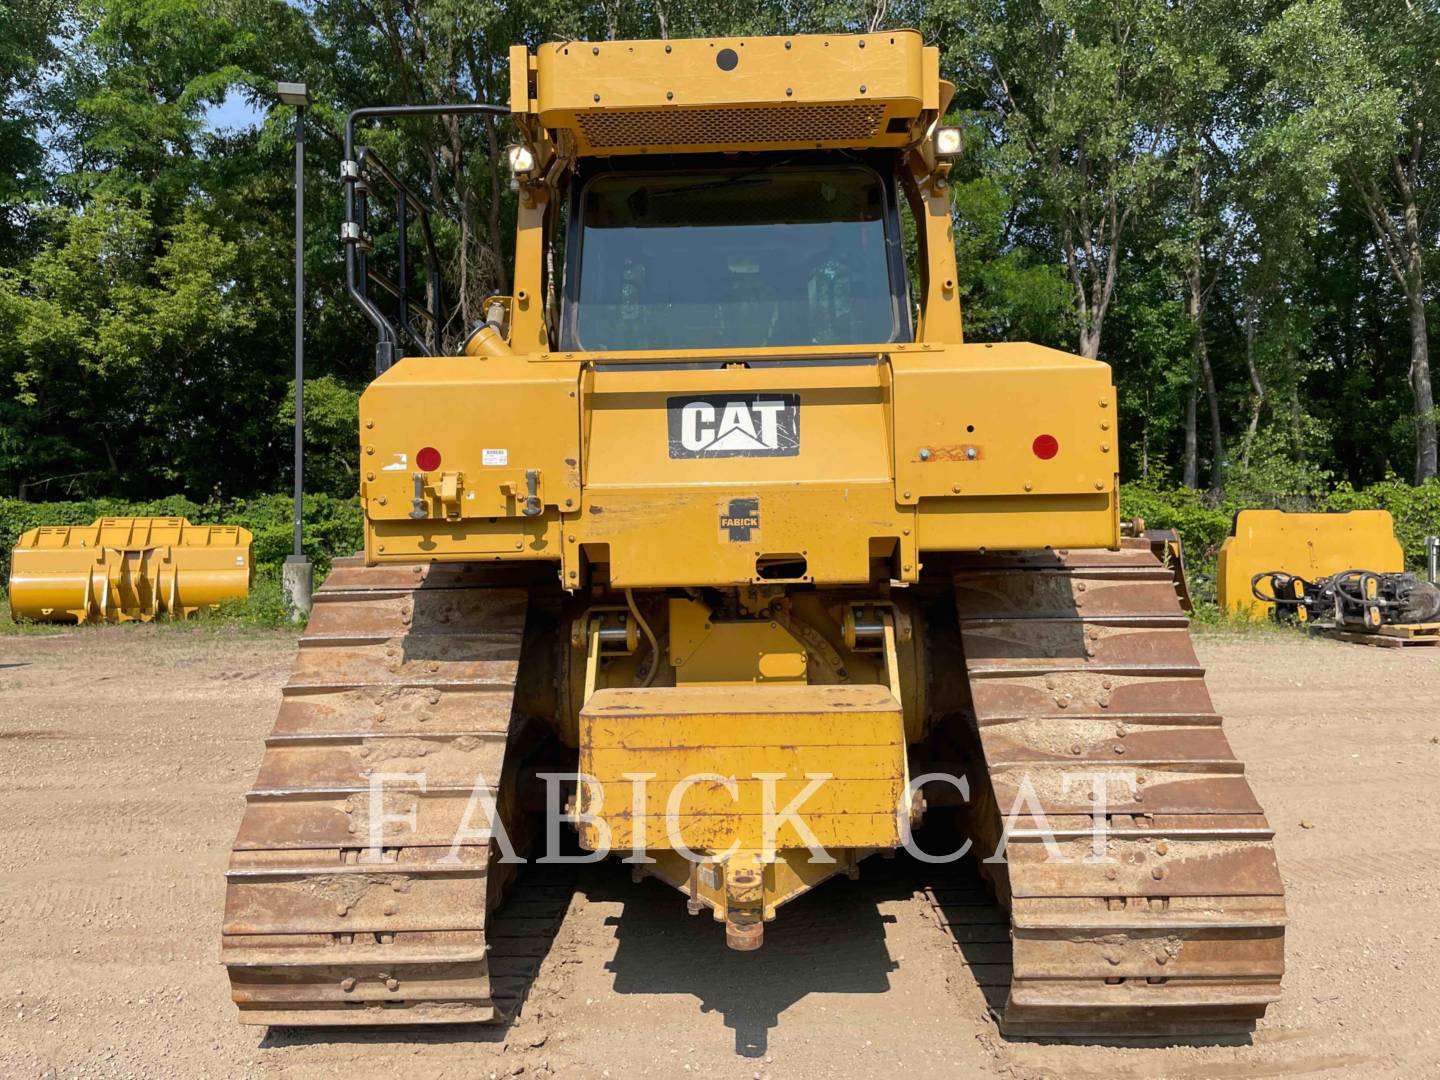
263, 610
1210, 618
23, 626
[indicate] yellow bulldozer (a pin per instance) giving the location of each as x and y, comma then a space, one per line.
718, 519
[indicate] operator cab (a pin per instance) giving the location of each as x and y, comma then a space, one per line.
785, 250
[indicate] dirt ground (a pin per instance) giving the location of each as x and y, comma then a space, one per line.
124, 754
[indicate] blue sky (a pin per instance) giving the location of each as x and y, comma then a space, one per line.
234, 113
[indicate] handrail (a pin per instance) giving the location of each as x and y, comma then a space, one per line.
368, 167
353, 236
405, 202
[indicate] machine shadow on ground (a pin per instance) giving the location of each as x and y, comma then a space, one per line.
662, 949
276, 1038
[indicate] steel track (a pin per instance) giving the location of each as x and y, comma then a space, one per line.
1080, 662
402, 670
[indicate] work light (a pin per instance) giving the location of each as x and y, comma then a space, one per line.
522, 159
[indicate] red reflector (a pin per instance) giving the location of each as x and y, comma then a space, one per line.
1045, 447
428, 459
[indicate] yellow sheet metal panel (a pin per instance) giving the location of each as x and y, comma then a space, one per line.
1305, 545
521, 538
685, 485
490, 421
520, 61
930, 60
753, 93
697, 536
1005, 419
839, 432
745, 797
875, 762
1001, 523
719, 833
680, 475
700, 716
706, 650
865, 439
764, 729
123, 569
498, 430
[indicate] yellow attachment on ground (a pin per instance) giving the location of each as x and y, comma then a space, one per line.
1310, 546
123, 569
844, 91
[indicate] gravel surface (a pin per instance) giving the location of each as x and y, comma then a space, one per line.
125, 752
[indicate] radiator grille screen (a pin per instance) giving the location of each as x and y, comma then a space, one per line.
695, 127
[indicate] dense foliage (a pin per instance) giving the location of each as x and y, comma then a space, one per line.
1233, 202
1203, 522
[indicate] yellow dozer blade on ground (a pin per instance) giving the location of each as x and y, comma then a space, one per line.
1311, 546
121, 569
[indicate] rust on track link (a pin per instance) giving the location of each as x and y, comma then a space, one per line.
402, 670
1080, 663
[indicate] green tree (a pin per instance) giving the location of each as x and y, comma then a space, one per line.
1230, 200
29, 56
1009, 290
1082, 93
1201, 44
1354, 93
332, 433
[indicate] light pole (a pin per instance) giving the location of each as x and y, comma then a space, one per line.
298, 576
